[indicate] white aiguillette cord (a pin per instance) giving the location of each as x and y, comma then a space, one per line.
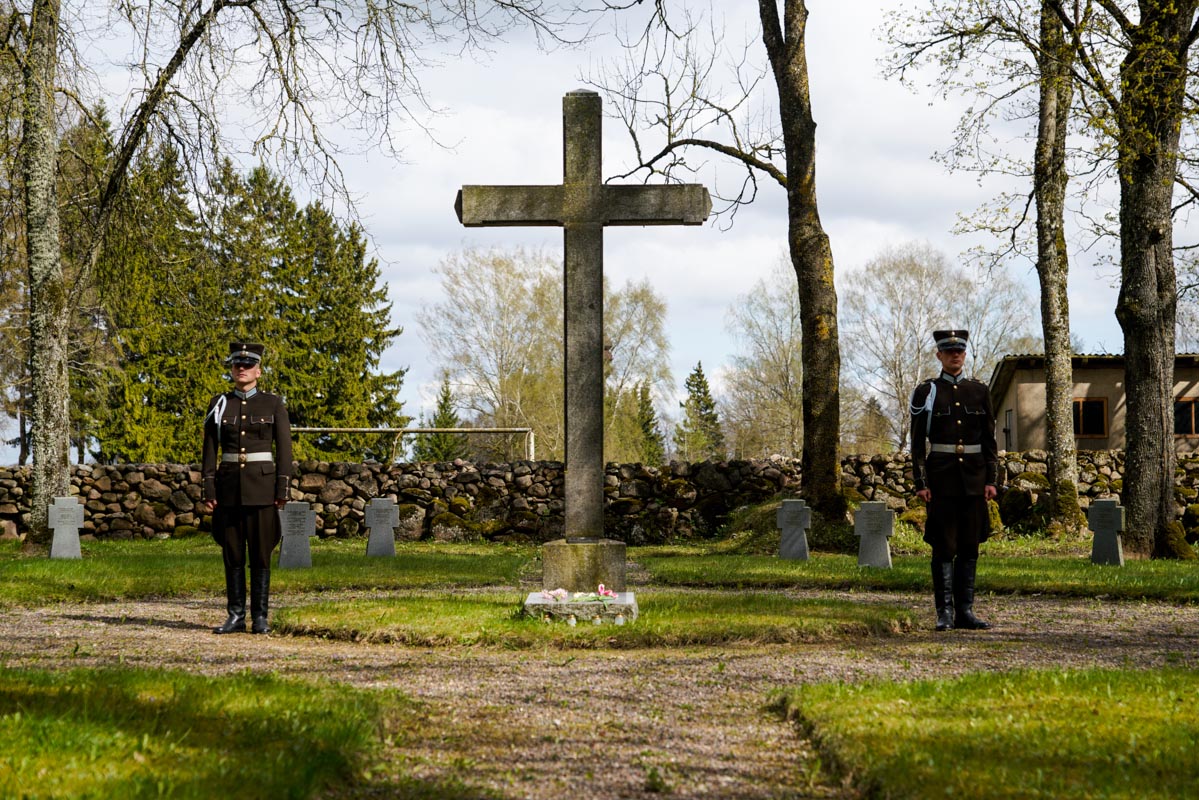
218, 409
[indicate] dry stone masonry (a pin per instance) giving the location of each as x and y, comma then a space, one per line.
523, 500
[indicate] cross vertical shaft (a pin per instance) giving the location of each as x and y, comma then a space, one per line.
584, 309
583, 205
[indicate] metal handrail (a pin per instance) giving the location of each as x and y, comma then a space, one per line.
530, 438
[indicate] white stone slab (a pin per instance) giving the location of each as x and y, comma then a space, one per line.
624, 605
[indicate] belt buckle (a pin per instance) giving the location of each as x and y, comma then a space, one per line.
961, 448
241, 458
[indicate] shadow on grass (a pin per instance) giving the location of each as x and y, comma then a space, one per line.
152, 733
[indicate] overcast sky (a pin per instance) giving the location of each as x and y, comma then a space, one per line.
877, 184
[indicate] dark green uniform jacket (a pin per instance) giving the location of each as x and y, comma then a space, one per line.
962, 422
257, 424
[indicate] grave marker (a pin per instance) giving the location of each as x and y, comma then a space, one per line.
873, 524
794, 519
1106, 519
382, 518
299, 525
583, 205
66, 518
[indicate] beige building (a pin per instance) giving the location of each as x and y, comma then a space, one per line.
1018, 395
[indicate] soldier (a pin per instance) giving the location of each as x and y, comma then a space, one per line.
956, 478
248, 483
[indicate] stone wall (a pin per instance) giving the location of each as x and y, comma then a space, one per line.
521, 501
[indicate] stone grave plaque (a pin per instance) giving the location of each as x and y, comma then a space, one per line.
794, 519
299, 525
873, 524
66, 518
382, 517
1106, 519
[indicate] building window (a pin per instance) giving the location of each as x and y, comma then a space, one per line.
1186, 418
1090, 417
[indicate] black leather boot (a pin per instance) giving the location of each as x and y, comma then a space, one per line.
943, 593
963, 596
260, 590
235, 599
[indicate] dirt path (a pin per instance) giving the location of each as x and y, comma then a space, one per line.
610, 724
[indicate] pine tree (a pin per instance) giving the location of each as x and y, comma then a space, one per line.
441, 446
698, 436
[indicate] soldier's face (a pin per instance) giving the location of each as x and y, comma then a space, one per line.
245, 376
952, 361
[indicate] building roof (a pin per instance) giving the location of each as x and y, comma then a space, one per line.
1005, 370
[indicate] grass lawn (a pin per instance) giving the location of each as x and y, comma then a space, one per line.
186, 567
146, 733
1175, 581
1033, 734
667, 619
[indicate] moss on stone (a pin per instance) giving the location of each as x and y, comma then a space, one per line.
1034, 479
1177, 545
994, 517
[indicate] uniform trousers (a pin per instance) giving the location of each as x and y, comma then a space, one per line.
956, 526
241, 528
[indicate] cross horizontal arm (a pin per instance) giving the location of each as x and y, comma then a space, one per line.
686, 204
480, 206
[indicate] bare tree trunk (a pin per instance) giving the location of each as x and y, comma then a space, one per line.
1053, 266
49, 310
811, 257
1153, 76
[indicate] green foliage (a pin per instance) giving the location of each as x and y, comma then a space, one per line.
1001, 735
698, 435
265, 270
124, 733
441, 446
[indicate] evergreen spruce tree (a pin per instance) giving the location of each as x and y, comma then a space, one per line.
698, 436
441, 446
653, 446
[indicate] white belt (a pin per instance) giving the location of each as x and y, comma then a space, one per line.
242, 458
955, 448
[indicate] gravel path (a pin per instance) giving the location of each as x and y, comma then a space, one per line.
613, 724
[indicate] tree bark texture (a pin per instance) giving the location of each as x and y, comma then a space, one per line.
811, 256
1053, 266
49, 311
1152, 83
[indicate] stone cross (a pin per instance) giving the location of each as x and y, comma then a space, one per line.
299, 524
66, 518
1106, 519
794, 519
873, 524
583, 205
382, 517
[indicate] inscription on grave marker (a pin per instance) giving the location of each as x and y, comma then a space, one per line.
873, 524
66, 518
794, 518
382, 517
1106, 519
299, 524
